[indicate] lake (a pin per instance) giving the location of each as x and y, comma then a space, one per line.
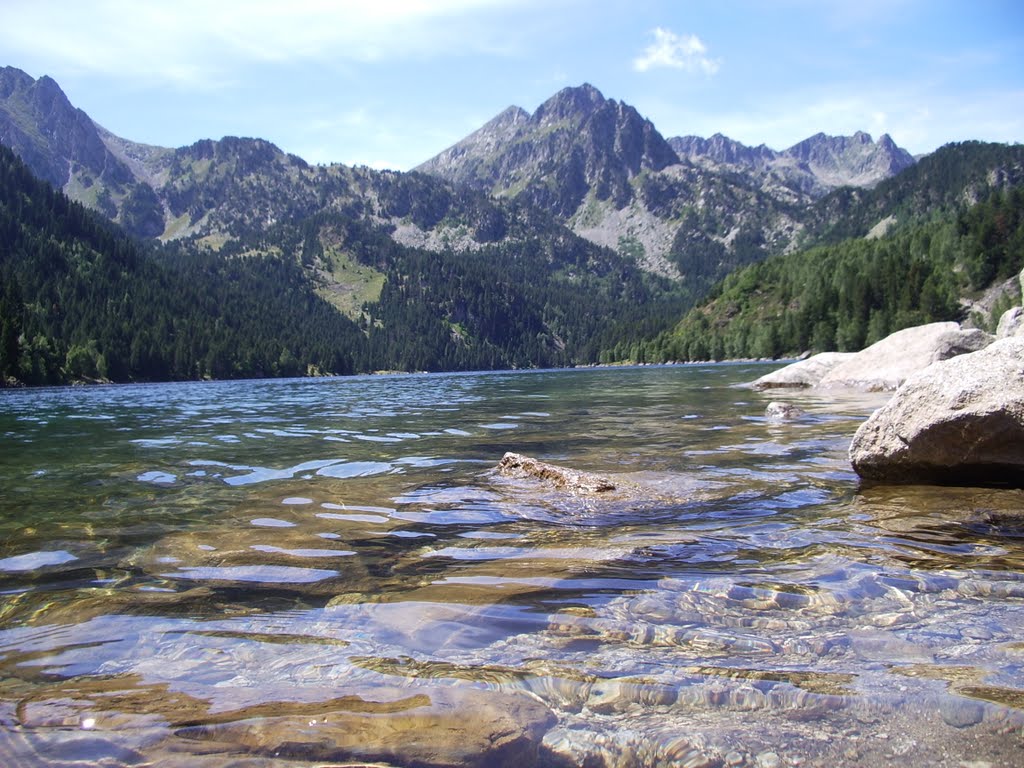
302, 572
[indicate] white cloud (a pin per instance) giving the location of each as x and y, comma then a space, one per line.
672, 51
191, 42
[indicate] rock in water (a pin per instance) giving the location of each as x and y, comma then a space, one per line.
443, 728
805, 373
887, 363
783, 412
958, 421
574, 481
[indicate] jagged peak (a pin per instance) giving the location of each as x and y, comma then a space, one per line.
582, 100
13, 79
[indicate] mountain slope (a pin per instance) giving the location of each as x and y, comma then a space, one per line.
81, 300
957, 229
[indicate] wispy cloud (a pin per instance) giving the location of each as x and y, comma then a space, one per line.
672, 51
192, 41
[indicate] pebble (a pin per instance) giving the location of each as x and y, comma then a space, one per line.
734, 758
961, 713
768, 760
976, 633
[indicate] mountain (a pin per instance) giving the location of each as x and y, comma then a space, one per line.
813, 167
80, 300
576, 143
688, 208
555, 238
954, 231
435, 276
63, 146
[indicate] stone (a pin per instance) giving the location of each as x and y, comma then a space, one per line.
805, 373
777, 411
1011, 323
518, 466
961, 713
887, 363
960, 421
428, 728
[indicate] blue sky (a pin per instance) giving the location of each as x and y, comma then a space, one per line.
389, 83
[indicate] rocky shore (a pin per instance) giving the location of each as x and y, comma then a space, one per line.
957, 411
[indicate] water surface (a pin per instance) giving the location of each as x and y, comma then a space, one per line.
188, 569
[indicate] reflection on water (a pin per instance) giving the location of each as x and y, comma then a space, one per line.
294, 572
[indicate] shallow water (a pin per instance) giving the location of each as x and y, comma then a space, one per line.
188, 570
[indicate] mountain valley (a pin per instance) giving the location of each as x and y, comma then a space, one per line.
568, 236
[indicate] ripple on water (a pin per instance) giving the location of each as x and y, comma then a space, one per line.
31, 561
356, 469
264, 574
157, 478
351, 518
270, 548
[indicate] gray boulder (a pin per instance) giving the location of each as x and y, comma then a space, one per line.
1011, 323
805, 373
888, 363
958, 421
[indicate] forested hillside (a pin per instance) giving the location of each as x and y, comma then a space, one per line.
846, 296
80, 301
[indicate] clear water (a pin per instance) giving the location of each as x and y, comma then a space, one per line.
180, 559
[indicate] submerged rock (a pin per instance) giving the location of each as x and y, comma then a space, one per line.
441, 727
958, 421
777, 411
805, 373
888, 363
516, 465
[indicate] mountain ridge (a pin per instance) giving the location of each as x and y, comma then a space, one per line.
614, 179
578, 229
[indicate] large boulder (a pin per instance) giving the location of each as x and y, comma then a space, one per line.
805, 373
958, 421
888, 363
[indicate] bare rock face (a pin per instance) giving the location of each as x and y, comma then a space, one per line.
805, 373
958, 421
886, 364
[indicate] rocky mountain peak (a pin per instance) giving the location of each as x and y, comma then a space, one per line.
56, 140
574, 143
13, 79
572, 103
855, 160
